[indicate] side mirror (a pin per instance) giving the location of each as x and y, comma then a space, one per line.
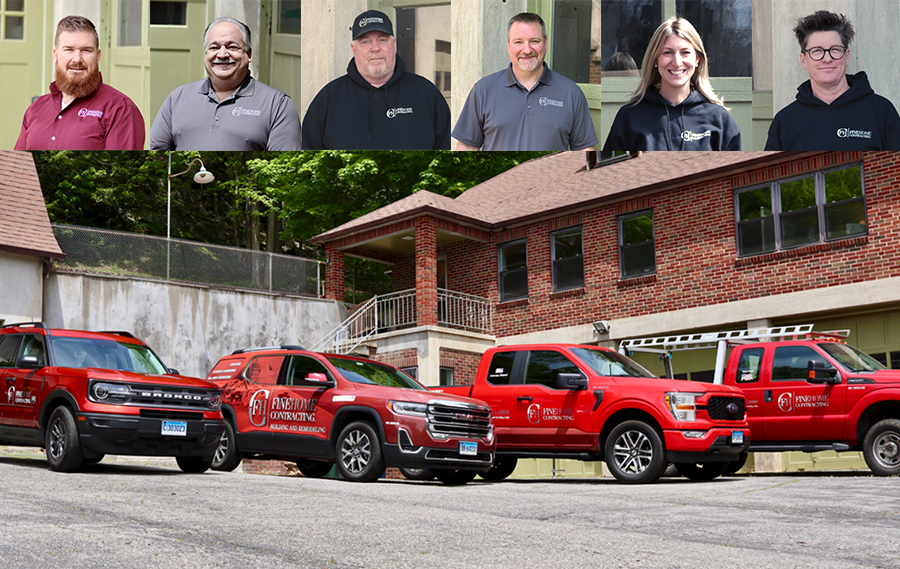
28, 362
571, 381
318, 379
820, 372
172, 371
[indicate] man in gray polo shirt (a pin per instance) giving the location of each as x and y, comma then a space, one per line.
526, 106
229, 110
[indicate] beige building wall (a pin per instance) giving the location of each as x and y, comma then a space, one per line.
21, 280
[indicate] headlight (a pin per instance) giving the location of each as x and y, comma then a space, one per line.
683, 405
113, 393
214, 401
408, 408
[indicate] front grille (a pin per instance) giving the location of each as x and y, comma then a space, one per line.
171, 415
718, 408
169, 396
461, 420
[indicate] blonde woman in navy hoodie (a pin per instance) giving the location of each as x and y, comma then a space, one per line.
674, 106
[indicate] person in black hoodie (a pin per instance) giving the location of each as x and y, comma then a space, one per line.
833, 110
674, 106
377, 105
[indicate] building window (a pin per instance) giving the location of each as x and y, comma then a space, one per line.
637, 252
446, 376
412, 372
289, 17
576, 40
815, 208
167, 13
513, 271
568, 259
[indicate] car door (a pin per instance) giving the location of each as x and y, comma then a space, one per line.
9, 349
303, 408
23, 392
794, 409
253, 407
499, 390
748, 377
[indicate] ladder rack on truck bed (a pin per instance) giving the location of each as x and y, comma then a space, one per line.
665, 345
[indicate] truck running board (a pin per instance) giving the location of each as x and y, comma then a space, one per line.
804, 447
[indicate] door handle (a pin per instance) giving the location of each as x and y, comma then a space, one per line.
10, 379
767, 395
525, 398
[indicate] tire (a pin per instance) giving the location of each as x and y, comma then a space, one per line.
359, 454
635, 453
735, 465
313, 468
61, 441
500, 470
417, 473
881, 447
701, 471
454, 477
226, 457
193, 464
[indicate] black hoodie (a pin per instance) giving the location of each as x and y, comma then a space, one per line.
857, 120
406, 113
656, 124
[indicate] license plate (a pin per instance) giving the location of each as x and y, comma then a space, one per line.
737, 437
174, 428
467, 448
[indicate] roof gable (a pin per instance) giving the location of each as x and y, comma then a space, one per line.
24, 223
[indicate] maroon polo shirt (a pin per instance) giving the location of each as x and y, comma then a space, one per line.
104, 120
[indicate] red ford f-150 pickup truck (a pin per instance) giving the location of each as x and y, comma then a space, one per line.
805, 391
592, 403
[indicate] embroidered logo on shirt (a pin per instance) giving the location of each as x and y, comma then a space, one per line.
689, 136
545, 102
391, 113
366, 21
238, 111
85, 112
850, 133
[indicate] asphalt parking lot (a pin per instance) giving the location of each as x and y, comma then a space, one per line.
135, 512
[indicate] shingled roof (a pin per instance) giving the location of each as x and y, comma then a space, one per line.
554, 184
24, 223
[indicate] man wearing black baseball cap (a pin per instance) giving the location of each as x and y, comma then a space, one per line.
377, 105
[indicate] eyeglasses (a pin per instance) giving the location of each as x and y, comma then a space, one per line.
817, 53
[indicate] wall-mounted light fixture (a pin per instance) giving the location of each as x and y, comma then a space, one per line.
602, 326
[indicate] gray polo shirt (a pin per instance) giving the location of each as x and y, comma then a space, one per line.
254, 117
500, 114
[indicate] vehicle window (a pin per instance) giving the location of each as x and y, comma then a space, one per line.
299, 367
33, 345
749, 365
373, 373
613, 364
265, 369
104, 354
854, 360
543, 367
8, 344
790, 363
500, 371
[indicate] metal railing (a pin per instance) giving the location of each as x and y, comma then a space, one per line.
101, 251
397, 310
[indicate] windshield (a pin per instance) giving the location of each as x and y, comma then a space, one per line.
854, 360
359, 371
608, 363
104, 354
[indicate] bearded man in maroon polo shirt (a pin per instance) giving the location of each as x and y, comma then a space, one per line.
80, 112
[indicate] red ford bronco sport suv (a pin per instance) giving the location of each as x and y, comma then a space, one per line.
321, 409
82, 395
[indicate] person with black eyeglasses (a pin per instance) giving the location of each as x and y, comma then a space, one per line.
833, 110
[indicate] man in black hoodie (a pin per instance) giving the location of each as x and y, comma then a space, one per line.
377, 105
833, 110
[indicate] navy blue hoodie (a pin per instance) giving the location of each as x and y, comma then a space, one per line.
656, 124
406, 113
857, 120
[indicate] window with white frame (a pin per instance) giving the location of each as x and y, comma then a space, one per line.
568, 259
637, 251
813, 208
513, 270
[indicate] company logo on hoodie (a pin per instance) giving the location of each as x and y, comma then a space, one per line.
850, 133
689, 136
545, 102
391, 113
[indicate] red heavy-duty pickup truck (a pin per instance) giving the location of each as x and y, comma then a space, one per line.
806, 391
591, 403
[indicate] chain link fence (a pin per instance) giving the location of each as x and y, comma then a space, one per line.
101, 251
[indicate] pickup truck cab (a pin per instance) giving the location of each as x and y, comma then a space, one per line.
319, 410
591, 403
807, 391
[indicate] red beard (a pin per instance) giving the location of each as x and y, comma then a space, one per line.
78, 87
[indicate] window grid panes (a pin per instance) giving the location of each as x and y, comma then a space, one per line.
568, 259
513, 270
289, 17
785, 214
637, 251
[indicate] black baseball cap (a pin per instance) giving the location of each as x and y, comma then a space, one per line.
372, 21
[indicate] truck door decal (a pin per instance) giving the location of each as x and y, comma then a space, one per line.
258, 408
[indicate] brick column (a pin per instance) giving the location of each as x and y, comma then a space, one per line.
426, 272
334, 273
